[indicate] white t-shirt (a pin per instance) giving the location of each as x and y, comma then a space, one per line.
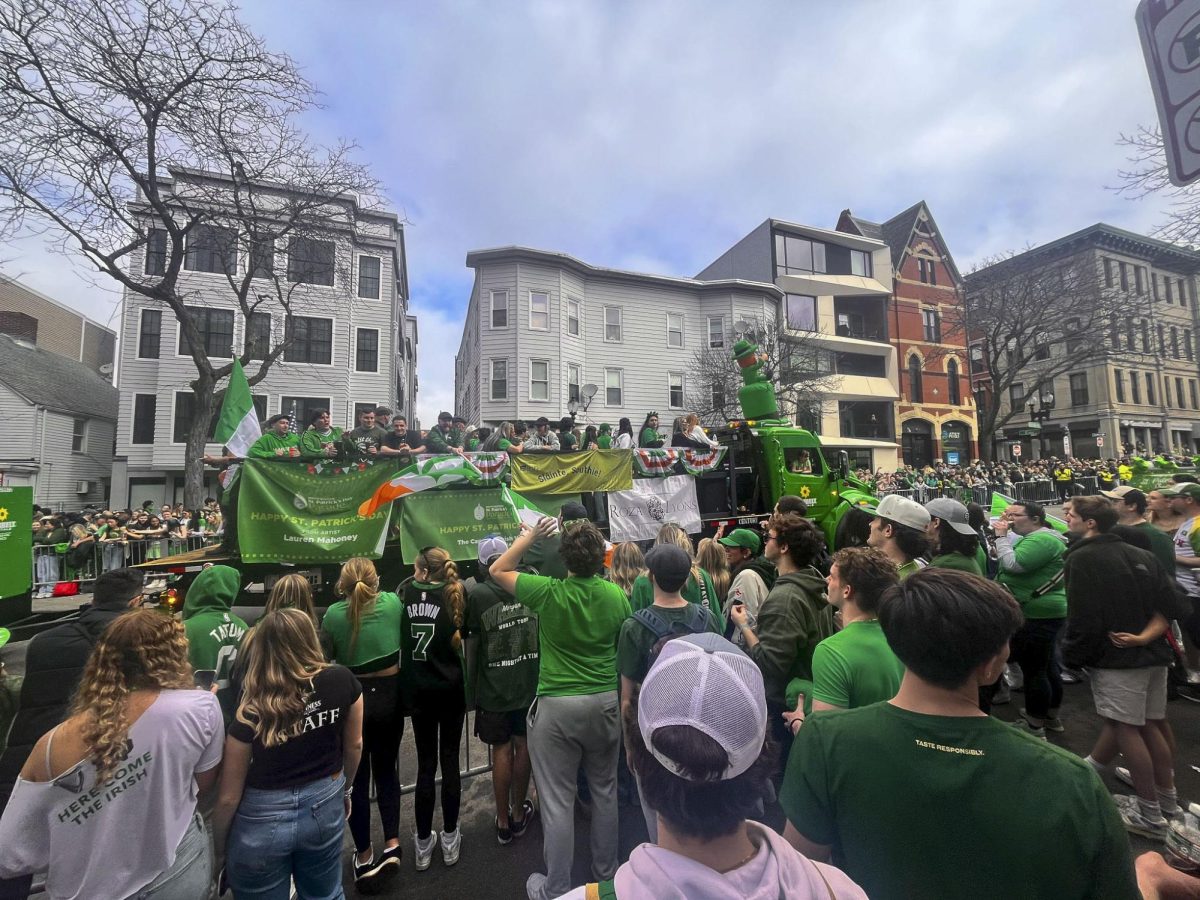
623, 442
113, 839
1183, 547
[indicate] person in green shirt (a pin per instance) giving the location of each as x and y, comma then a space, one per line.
954, 779
278, 442
954, 540
604, 437
854, 666
649, 436
699, 587
322, 440
575, 717
566, 437
503, 440
1031, 567
1131, 504
898, 529
214, 633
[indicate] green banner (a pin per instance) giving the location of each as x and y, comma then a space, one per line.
457, 520
16, 541
572, 473
290, 512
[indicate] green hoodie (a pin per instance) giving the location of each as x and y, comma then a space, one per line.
793, 619
213, 632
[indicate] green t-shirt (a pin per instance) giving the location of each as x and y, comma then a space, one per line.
636, 641
956, 561
1040, 554
642, 595
579, 620
503, 641
378, 644
604, 442
566, 440
855, 667
909, 568
650, 438
1161, 546
973, 808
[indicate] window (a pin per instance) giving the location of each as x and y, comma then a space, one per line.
860, 263
156, 252
1167, 285
368, 277
718, 396
144, 407
1175, 343
1154, 285
613, 393
927, 270
716, 332
1130, 336
304, 407
801, 312
216, 331
612, 323
1182, 292
1162, 341
675, 390
573, 316
539, 379
1124, 276
1079, 389
1041, 345
262, 256
310, 261
916, 388
1150, 389
955, 390
1139, 284
539, 310
1195, 395
1073, 329
674, 330
933, 325
1119, 376
79, 435
1166, 391
1016, 395
310, 340
149, 334
1145, 336
366, 350
798, 256
574, 377
1114, 334
360, 408
1187, 344
1108, 272
1179, 393
499, 379
185, 414
499, 309
211, 248
258, 335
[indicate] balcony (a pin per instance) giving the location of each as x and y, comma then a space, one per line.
866, 419
862, 318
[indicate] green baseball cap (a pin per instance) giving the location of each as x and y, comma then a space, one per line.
743, 537
5, 636
1188, 490
1168, 490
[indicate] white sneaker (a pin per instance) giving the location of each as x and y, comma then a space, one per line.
1136, 822
424, 851
451, 846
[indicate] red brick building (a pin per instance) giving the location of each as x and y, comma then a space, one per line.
936, 413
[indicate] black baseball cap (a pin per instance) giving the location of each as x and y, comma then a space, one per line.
669, 566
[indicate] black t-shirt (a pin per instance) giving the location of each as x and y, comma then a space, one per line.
314, 753
392, 440
430, 667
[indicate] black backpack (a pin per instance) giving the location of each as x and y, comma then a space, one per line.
697, 622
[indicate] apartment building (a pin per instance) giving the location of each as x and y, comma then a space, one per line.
836, 287
350, 341
936, 412
544, 329
31, 316
1140, 393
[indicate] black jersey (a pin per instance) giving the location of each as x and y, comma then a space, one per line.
430, 666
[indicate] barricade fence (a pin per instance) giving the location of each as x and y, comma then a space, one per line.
1048, 492
52, 563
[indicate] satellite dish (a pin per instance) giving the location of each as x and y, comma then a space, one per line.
106, 369
589, 391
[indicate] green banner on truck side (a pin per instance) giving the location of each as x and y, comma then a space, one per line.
457, 521
289, 512
571, 473
16, 541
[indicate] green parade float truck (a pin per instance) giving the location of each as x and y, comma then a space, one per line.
295, 516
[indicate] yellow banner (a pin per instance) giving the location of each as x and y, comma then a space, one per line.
572, 472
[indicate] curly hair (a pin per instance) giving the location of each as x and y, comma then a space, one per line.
283, 657
802, 538
628, 563
582, 549
141, 650
292, 591
443, 570
359, 584
869, 572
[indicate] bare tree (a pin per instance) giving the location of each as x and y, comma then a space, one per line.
799, 367
1035, 317
1147, 176
154, 136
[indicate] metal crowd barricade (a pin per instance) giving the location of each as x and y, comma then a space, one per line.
50, 566
1035, 491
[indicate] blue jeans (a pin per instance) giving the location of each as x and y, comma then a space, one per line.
191, 875
288, 833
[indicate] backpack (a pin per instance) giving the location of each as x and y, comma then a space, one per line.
697, 622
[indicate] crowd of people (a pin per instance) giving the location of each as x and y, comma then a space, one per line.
704, 680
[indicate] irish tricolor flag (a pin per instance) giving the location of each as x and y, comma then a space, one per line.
237, 426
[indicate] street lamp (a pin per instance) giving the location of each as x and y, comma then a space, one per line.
1039, 415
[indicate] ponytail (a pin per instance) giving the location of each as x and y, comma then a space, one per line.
359, 584
442, 569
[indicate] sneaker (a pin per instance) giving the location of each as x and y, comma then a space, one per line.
1003, 694
1023, 724
394, 853
1072, 676
1013, 677
424, 851
1050, 723
535, 886
374, 875
504, 835
1189, 692
528, 811
1137, 823
1123, 776
451, 846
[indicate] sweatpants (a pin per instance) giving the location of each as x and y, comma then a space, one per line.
563, 733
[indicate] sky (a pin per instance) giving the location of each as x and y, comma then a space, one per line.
652, 135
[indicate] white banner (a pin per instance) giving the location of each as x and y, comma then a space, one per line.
637, 515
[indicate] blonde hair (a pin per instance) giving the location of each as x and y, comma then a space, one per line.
283, 656
710, 556
441, 569
141, 650
359, 584
672, 533
628, 563
292, 591
692, 421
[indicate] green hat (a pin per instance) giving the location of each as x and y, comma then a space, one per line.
605, 428
1188, 490
1168, 490
743, 537
5, 636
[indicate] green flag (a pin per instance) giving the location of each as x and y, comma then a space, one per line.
237, 426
